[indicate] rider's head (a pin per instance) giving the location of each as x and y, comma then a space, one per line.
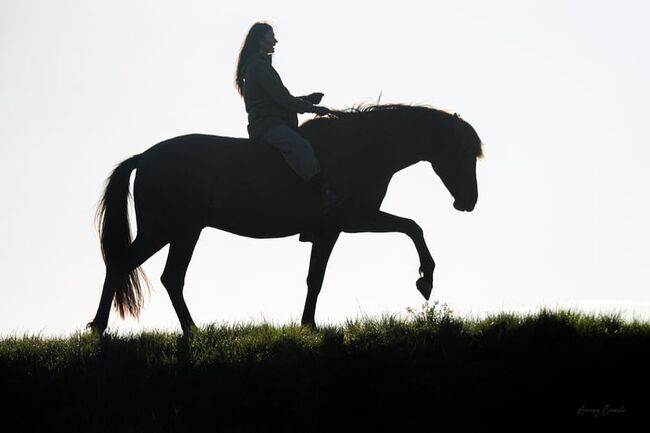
267, 43
260, 39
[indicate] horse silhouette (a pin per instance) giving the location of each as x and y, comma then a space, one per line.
245, 187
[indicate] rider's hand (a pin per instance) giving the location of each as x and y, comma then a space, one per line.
315, 98
321, 111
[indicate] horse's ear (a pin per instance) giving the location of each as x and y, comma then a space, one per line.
456, 116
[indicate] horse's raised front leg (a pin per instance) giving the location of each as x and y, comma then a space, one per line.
381, 222
321, 249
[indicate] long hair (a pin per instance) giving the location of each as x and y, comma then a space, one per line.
250, 46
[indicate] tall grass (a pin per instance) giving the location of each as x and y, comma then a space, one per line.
428, 369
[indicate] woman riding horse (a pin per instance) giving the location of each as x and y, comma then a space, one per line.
242, 186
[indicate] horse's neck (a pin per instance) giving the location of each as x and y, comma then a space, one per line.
396, 149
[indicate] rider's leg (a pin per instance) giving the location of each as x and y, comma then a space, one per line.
299, 154
295, 149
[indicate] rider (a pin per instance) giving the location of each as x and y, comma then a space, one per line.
272, 110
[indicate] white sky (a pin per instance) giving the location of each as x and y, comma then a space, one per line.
558, 90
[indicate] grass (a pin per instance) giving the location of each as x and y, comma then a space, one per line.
429, 371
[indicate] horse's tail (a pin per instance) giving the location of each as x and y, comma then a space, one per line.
112, 221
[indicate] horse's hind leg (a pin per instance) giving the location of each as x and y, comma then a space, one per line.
173, 277
137, 253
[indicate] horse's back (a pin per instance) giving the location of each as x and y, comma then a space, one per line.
192, 147
245, 184
196, 154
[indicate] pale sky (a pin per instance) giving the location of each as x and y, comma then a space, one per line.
558, 91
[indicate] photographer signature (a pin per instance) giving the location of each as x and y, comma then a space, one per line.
604, 411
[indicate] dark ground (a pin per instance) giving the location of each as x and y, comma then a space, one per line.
539, 373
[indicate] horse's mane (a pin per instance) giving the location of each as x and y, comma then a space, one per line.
362, 109
356, 110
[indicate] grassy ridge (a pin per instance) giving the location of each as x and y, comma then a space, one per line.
429, 372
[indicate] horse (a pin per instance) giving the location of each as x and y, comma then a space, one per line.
245, 187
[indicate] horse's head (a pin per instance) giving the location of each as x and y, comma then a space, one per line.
454, 160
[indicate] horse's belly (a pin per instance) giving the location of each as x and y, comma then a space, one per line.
255, 226
272, 217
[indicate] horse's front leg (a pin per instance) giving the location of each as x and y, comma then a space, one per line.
381, 222
322, 246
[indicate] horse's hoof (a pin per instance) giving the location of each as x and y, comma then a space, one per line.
424, 286
189, 331
95, 329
